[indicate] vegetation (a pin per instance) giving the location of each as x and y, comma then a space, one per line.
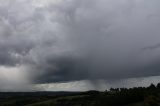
137, 96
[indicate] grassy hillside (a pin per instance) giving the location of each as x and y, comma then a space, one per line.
140, 96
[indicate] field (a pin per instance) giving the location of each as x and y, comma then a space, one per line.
138, 96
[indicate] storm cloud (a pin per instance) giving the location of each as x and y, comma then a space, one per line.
72, 40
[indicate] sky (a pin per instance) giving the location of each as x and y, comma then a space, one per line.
78, 44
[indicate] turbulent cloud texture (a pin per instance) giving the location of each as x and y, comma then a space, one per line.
69, 40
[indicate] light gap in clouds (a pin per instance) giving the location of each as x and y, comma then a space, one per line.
100, 85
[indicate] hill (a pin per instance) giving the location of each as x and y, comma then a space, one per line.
137, 96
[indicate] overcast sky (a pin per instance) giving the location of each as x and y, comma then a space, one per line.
68, 41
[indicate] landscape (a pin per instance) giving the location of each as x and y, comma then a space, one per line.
137, 96
79, 52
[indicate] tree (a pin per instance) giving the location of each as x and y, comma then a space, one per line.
152, 86
158, 85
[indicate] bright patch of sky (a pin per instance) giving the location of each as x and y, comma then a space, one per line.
101, 85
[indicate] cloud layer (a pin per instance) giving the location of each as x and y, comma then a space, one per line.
69, 40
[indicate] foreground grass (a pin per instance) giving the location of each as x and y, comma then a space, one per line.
53, 102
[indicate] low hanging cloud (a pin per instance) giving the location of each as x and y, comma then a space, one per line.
69, 40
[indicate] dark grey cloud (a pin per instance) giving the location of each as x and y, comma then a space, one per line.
157, 46
76, 40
